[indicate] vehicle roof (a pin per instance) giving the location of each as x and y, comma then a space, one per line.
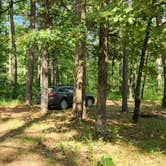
59, 86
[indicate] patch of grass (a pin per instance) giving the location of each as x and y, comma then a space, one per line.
151, 145
154, 137
90, 153
86, 133
114, 134
106, 161
7, 102
152, 94
114, 95
71, 151
30, 139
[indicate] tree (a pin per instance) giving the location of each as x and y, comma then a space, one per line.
159, 73
54, 73
102, 75
12, 57
141, 66
80, 54
164, 69
29, 82
145, 76
125, 75
44, 64
125, 66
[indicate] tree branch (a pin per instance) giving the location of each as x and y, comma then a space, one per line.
5, 10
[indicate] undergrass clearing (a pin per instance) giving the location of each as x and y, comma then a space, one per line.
5, 102
28, 137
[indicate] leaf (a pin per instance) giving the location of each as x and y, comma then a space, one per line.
131, 20
106, 161
116, 19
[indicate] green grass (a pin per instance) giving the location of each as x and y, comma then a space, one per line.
7, 102
114, 95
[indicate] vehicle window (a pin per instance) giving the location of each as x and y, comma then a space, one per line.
66, 89
71, 90
61, 90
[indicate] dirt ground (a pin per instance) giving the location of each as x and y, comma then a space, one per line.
29, 138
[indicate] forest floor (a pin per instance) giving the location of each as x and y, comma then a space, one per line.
29, 138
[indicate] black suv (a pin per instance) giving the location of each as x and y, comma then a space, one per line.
62, 97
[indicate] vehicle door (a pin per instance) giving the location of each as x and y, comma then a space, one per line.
69, 92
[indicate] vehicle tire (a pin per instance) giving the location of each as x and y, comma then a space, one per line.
63, 104
89, 102
50, 107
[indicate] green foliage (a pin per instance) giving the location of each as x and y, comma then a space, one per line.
71, 153
106, 161
86, 134
62, 148
115, 134
63, 34
7, 102
90, 153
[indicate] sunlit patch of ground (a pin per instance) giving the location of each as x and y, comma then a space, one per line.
29, 138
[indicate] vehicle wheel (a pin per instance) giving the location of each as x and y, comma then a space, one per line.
89, 102
63, 104
50, 107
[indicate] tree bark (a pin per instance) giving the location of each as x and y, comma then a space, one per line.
144, 79
125, 66
79, 77
39, 66
120, 75
159, 71
29, 83
132, 77
139, 76
53, 71
125, 75
12, 57
102, 77
44, 81
44, 64
164, 71
84, 51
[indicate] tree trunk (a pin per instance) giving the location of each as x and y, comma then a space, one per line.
44, 80
84, 51
144, 79
44, 64
164, 70
125, 66
84, 54
79, 77
159, 71
139, 76
125, 75
132, 76
102, 77
120, 75
12, 57
39, 66
53, 71
29, 83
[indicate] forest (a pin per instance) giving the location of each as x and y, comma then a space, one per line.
110, 51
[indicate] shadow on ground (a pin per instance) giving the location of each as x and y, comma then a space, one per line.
149, 135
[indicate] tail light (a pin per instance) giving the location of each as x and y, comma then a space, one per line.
52, 94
